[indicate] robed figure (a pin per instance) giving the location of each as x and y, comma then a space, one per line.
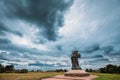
74, 59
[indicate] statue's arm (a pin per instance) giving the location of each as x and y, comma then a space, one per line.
79, 56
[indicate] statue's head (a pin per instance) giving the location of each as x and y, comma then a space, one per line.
75, 52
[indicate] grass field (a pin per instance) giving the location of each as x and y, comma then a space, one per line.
103, 76
39, 75
27, 76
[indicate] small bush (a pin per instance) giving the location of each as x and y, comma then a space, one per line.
23, 71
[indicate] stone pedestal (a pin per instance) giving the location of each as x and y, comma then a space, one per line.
73, 75
62, 77
76, 73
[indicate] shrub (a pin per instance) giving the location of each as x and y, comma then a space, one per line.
1, 68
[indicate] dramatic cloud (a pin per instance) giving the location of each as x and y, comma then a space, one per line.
41, 34
92, 27
46, 14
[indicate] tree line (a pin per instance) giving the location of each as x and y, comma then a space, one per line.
10, 69
107, 69
57, 70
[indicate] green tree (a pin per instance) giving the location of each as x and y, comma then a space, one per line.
90, 70
1, 68
87, 70
103, 70
118, 69
23, 71
9, 68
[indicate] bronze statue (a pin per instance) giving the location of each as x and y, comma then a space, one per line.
74, 59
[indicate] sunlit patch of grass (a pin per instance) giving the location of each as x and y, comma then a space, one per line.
105, 76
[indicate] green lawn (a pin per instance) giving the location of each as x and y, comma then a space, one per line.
39, 75
103, 76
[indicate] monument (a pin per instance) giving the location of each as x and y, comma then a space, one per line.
76, 72
74, 59
76, 69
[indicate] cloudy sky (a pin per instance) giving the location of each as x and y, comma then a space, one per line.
42, 34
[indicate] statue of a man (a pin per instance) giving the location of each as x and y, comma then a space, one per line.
74, 59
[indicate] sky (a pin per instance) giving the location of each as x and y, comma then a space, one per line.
42, 34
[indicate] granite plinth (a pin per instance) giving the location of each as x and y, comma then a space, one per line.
62, 77
76, 73
73, 75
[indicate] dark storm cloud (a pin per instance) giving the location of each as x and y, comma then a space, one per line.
97, 56
99, 61
114, 53
40, 64
59, 47
102, 59
2, 28
91, 48
47, 14
4, 41
17, 33
12, 47
93, 56
2, 57
108, 49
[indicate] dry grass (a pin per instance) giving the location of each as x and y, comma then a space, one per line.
27, 76
40, 75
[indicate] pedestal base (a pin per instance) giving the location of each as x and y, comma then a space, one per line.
76, 73
62, 77
73, 75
